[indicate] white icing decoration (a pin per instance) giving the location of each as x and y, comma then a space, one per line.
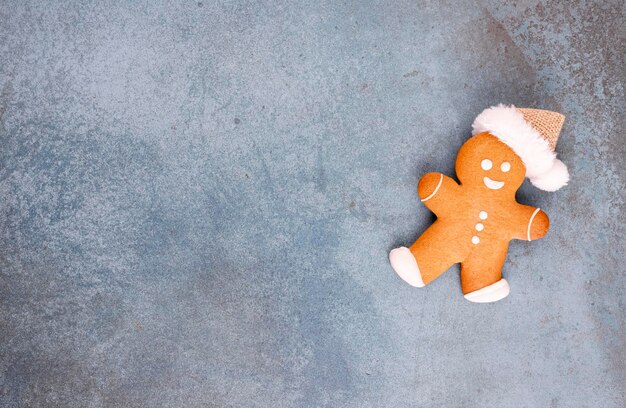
532, 217
506, 166
482, 215
493, 184
486, 164
492, 293
436, 189
480, 227
475, 240
405, 265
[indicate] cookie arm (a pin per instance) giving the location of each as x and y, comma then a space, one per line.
534, 223
434, 189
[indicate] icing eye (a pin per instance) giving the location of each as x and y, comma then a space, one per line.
486, 164
506, 166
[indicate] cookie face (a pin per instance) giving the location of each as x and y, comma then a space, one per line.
489, 165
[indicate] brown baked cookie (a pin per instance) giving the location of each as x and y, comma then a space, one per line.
477, 218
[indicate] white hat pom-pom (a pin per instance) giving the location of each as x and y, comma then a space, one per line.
553, 179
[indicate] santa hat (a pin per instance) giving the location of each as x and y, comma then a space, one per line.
532, 134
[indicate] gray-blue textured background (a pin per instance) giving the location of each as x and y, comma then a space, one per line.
198, 200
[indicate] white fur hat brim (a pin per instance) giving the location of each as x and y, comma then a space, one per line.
553, 179
507, 123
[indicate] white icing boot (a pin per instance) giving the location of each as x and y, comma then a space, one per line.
492, 293
405, 265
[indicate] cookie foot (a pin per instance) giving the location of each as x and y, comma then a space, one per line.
405, 265
492, 293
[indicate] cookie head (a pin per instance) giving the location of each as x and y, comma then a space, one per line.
486, 162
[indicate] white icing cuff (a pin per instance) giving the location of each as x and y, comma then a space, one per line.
492, 293
436, 189
405, 265
532, 217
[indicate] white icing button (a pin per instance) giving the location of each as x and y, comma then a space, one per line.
475, 240
480, 227
482, 215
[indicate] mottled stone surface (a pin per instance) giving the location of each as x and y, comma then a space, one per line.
198, 200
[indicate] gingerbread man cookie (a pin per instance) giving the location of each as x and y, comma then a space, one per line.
477, 218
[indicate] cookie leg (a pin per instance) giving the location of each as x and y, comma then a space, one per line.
481, 276
431, 255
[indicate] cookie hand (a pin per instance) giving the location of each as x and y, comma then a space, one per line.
535, 226
435, 188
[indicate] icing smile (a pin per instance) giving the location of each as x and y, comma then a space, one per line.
493, 184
